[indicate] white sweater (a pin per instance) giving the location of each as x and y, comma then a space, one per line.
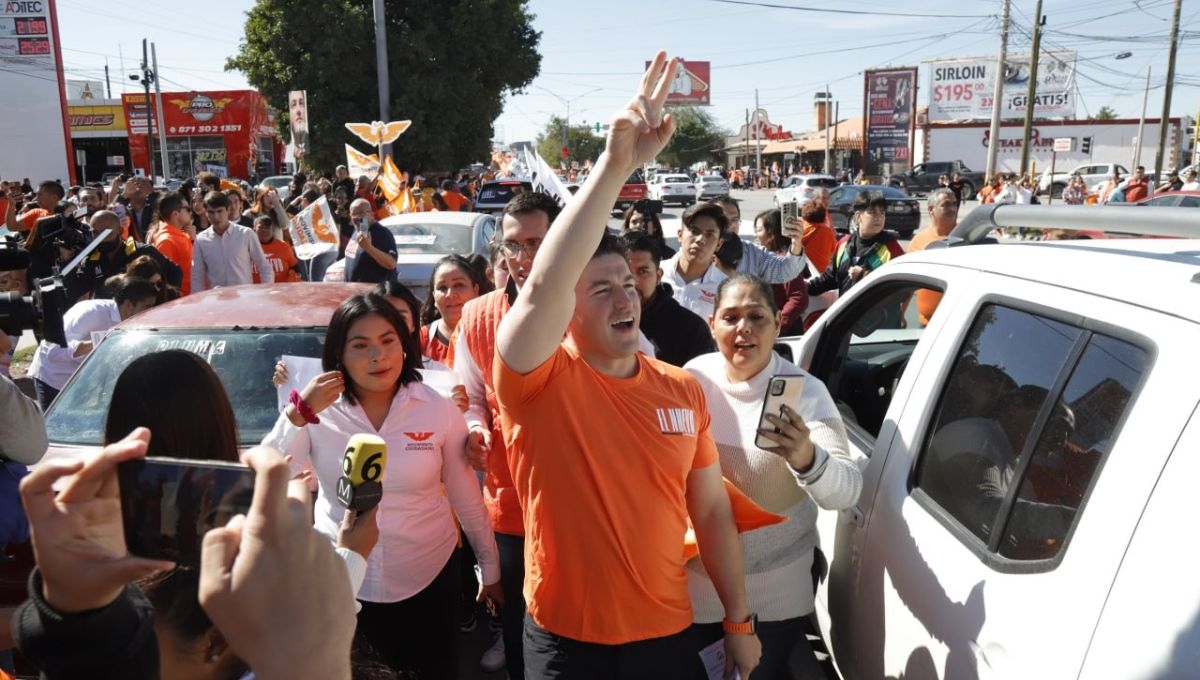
778, 559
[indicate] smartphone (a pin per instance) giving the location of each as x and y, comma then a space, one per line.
782, 389
790, 211
168, 504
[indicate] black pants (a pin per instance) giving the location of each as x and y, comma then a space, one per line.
781, 641
45, 394
549, 656
512, 616
421, 633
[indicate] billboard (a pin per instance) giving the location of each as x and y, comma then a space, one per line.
105, 118
690, 85
962, 89
298, 120
35, 137
889, 100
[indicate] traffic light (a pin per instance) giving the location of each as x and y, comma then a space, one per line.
1085, 145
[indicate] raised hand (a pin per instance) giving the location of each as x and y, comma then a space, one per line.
323, 390
641, 130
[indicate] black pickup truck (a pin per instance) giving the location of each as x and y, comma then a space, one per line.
923, 178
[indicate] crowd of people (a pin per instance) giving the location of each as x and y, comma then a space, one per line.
608, 403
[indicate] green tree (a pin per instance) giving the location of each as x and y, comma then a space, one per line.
449, 68
1104, 113
697, 138
581, 142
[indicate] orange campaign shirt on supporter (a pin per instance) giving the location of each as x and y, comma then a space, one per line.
282, 258
600, 466
29, 218
820, 241
454, 200
927, 300
177, 247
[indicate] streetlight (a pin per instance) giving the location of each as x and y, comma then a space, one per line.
567, 102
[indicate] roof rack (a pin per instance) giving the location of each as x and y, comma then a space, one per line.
1109, 219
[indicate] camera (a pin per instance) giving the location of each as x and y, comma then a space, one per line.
648, 207
42, 310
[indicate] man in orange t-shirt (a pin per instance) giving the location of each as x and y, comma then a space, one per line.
455, 201
175, 212
279, 253
610, 450
49, 193
943, 216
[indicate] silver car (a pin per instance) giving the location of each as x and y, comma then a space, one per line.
711, 186
424, 238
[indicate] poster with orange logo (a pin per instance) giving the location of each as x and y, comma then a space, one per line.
313, 230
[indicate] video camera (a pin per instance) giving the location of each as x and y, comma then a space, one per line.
60, 230
42, 310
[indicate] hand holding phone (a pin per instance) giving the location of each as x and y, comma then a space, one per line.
789, 211
782, 431
77, 533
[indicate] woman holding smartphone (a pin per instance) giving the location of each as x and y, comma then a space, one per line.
411, 592
806, 464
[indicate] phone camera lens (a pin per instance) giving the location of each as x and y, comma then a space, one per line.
776, 388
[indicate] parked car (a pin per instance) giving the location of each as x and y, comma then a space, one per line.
1058, 381
903, 211
495, 194
1182, 199
281, 183
924, 177
802, 188
672, 189
1092, 173
632, 191
241, 331
424, 238
711, 186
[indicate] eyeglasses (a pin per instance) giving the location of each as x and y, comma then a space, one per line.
513, 248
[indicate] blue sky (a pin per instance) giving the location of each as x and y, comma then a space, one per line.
593, 52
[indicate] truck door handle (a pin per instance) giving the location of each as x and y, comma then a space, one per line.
855, 514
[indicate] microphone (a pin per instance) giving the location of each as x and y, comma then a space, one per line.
360, 487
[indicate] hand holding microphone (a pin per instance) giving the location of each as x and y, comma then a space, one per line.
361, 485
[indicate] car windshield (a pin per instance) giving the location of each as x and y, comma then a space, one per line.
499, 193
676, 180
431, 238
244, 360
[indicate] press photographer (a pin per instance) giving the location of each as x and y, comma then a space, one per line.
112, 256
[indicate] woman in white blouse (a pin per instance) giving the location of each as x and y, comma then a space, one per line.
371, 385
810, 465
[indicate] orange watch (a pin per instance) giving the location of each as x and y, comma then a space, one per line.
748, 627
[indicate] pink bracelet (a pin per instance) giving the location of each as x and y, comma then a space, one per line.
303, 408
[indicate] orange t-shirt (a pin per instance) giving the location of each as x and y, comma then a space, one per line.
820, 241
601, 467
927, 300
177, 247
454, 200
28, 219
282, 258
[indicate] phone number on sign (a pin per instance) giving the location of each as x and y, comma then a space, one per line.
187, 129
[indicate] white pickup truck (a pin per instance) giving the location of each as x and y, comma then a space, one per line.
1092, 173
1032, 454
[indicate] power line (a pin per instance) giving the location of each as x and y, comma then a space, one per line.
827, 10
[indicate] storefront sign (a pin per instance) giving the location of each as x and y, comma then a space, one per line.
962, 89
890, 105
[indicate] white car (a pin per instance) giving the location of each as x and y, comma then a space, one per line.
424, 238
711, 186
1028, 454
672, 189
802, 188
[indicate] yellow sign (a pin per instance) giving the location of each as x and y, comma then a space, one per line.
96, 118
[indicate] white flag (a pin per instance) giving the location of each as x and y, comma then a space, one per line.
314, 231
544, 178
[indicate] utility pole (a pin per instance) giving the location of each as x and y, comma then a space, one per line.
147, 76
1166, 110
757, 141
747, 146
107, 80
828, 105
1031, 93
1137, 147
381, 71
162, 128
997, 95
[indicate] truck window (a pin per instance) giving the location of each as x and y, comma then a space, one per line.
1018, 435
863, 354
